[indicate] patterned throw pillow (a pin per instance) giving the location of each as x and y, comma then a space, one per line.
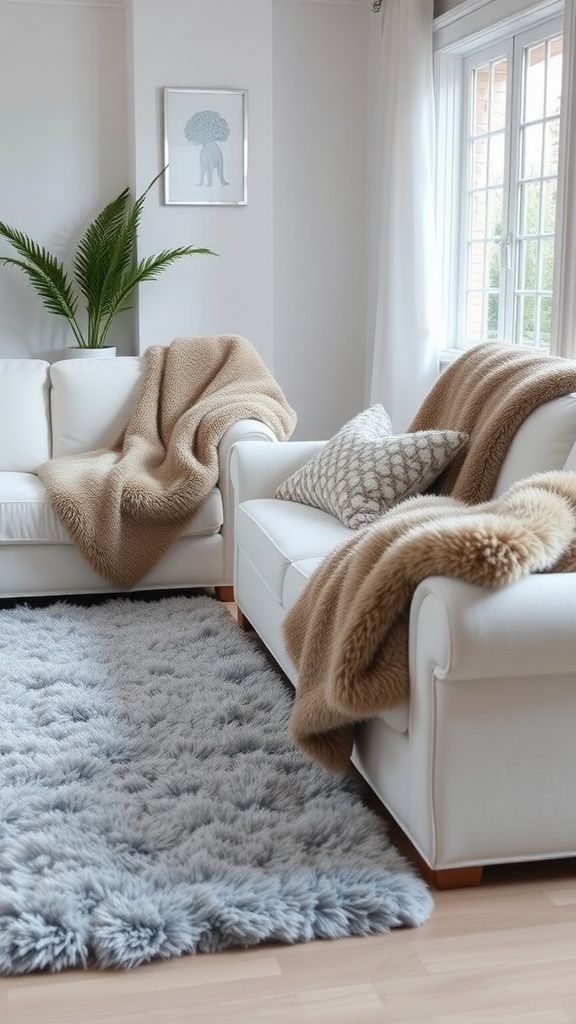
365, 469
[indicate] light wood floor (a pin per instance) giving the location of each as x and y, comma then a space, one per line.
502, 953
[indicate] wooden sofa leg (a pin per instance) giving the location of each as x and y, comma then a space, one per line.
452, 878
244, 623
224, 593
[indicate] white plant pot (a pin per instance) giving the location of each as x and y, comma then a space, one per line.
106, 352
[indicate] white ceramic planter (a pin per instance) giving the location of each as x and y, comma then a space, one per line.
106, 352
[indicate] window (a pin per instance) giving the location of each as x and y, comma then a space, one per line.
499, 204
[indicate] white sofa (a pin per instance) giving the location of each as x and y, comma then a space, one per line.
480, 767
75, 406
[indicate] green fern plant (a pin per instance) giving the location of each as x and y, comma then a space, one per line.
105, 269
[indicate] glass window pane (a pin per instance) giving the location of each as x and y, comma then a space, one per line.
554, 82
476, 269
530, 206
474, 316
545, 320
551, 138
531, 151
479, 166
480, 99
550, 189
496, 166
528, 269
547, 268
493, 264
534, 71
492, 325
478, 215
528, 319
494, 225
498, 96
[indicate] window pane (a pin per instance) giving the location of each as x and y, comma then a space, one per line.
478, 215
554, 78
527, 319
496, 166
528, 270
534, 71
493, 264
475, 316
494, 225
550, 188
530, 206
547, 268
492, 326
479, 163
545, 320
531, 151
476, 265
551, 137
498, 96
480, 100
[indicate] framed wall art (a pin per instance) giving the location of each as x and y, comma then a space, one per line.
206, 147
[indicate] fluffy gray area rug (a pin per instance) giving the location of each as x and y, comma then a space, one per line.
151, 803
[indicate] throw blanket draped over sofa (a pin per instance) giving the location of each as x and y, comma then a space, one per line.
124, 507
348, 632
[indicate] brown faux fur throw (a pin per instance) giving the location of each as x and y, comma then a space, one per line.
488, 393
124, 507
348, 632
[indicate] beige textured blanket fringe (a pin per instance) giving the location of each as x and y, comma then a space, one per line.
124, 507
488, 393
348, 632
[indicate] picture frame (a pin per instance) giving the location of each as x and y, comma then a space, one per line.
205, 147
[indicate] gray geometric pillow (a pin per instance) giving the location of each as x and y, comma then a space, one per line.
365, 469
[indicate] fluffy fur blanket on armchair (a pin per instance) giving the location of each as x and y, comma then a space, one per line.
348, 632
124, 507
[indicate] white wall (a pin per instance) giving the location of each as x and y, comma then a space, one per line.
85, 118
320, 209
63, 132
200, 44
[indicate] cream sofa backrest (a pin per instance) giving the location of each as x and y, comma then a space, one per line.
24, 414
544, 441
91, 400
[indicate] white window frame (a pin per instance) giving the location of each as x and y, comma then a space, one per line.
472, 26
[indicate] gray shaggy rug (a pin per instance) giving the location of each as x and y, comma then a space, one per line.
151, 803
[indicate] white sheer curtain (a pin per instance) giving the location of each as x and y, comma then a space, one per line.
563, 341
405, 360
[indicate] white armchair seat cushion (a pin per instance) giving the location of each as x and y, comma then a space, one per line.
26, 515
24, 419
291, 531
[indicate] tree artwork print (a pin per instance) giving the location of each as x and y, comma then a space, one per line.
206, 129
206, 146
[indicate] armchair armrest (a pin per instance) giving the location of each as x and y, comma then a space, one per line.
242, 430
257, 469
472, 632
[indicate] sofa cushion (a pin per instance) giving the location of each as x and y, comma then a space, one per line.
26, 515
91, 401
24, 414
365, 469
273, 534
543, 442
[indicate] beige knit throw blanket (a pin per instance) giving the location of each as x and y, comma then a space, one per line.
124, 507
348, 631
488, 393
